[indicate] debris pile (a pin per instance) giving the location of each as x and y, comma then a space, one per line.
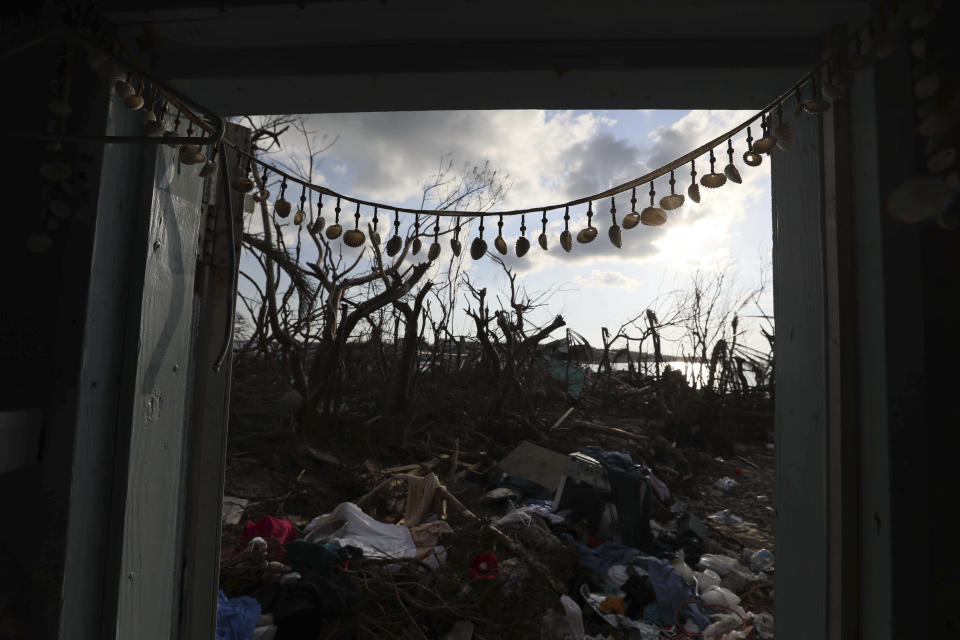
542, 543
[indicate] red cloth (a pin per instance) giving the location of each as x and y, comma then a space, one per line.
270, 529
485, 565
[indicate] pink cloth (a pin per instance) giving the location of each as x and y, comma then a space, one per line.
270, 529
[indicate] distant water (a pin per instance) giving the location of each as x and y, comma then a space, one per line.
691, 370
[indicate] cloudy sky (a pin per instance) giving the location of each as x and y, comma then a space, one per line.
551, 156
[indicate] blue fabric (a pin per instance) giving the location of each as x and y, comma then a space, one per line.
670, 588
236, 617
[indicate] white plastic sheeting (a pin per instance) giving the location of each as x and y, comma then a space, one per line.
350, 526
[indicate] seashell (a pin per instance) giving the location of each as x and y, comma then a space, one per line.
631, 220
522, 246
940, 122
147, 115
918, 199
133, 102
123, 88
732, 173
885, 44
172, 134
752, 158
942, 160
393, 245
190, 154
833, 91
153, 129
59, 108
587, 235
654, 216
694, 192
261, 195
816, 106
566, 241
299, 217
456, 247
672, 201
918, 48
764, 144
59, 209
39, 242
616, 238
501, 245
55, 171
241, 183
374, 237
333, 231
282, 208
415, 246
542, 240
926, 86
207, 169
354, 238
783, 132
712, 180
922, 19
477, 248
433, 252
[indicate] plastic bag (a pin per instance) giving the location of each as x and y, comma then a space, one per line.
722, 565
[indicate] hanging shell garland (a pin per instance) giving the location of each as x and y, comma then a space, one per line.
282, 207
434, 252
456, 246
241, 183
133, 102
566, 241
542, 241
501, 245
415, 246
333, 231
299, 217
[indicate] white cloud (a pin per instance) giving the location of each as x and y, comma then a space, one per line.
603, 278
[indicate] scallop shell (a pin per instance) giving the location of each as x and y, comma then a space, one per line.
172, 134
784, 135
764, 144
188, 153
926, 85
653, 216
207, 169
713, 180
354, 238
631, 220
752, 158
672, 201
694, 192
261, 195
123, 89
393, 245
243, 184
153, 129
147, 115
299, 217
566, 241
59, 108
522, 246
375, 238
942, 160
587, 235
732, 173
501, 245
456, 246
415, 246
918, 199
133, 102
55, 171
282, 208
542, 240
333, 231
434, 252
816, 106
478, 248
615, 236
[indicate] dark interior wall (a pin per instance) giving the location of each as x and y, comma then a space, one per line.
41, 329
